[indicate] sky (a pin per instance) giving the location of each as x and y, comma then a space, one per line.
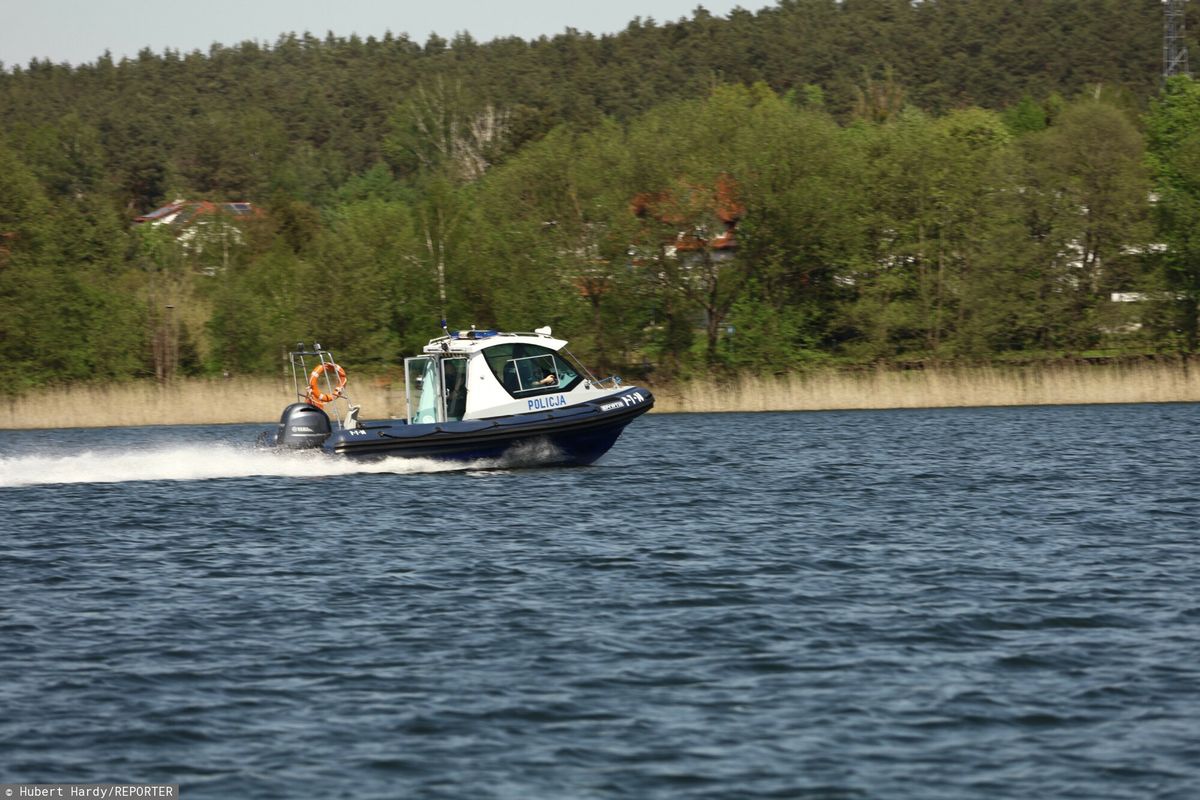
78, 32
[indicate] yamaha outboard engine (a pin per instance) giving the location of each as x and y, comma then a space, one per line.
303, 426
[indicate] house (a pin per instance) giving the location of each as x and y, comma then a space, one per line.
706, 216
203, 225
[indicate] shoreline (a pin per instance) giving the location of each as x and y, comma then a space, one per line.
260, 400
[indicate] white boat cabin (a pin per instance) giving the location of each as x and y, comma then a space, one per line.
479, 374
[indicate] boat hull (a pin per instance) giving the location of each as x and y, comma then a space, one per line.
577, 434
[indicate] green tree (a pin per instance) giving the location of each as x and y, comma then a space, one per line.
370, 249
232, 156
691, 159
444, 140
941, 237
1086, 197
66, 313
805, 189
1173, 143
554, 233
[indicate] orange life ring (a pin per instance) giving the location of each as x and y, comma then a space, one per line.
315, 395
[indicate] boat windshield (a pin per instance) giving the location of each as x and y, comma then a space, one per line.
525, 370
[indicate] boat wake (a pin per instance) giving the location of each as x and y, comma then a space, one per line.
197, 463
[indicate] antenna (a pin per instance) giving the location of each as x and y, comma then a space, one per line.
1175, 54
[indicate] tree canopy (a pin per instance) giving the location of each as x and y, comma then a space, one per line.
819, 181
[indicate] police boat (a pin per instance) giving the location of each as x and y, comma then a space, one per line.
471, 396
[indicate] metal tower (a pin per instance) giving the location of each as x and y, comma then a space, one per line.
1175, 54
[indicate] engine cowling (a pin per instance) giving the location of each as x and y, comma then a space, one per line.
302, 426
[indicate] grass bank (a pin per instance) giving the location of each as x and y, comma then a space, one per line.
260, 400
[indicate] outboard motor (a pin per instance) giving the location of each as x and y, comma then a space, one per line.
302, 427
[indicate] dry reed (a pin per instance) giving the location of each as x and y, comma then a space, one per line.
185, 402
261, 400
947, 387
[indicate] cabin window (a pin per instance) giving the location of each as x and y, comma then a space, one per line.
526, 370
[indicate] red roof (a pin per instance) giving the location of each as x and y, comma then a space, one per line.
183, 212
672, 209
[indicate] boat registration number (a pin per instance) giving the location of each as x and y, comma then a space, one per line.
631, 399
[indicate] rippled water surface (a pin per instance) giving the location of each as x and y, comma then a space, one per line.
987, 603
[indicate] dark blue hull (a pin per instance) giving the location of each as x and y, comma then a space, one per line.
577, 434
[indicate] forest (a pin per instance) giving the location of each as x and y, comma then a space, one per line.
818, 183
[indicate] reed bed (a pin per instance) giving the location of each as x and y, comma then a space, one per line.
185, 402
944, 387
249, 400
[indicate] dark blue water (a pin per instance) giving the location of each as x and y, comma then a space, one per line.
990, 603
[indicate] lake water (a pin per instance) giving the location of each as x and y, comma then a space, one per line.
979, 603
